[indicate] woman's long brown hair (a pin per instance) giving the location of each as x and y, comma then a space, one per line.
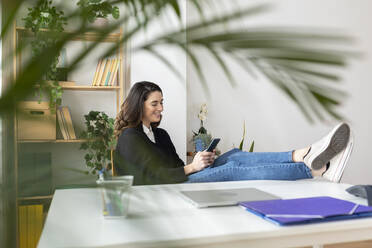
131, 111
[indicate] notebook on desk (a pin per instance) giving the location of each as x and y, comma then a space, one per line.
225, 197
307, 210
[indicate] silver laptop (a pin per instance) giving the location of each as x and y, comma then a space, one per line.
225, 197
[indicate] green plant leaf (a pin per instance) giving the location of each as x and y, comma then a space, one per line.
100, 130
84, 146
176, 8
115, 12
251, 148
242, 141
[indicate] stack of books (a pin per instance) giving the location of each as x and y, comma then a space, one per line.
30, 224
106, 72
65, 123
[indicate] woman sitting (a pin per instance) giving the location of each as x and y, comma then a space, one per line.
147, 152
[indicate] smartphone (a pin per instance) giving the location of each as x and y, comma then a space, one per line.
213, 144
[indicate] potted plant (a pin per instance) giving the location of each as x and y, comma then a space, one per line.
45, 16
201, 138
97, 11
100, 141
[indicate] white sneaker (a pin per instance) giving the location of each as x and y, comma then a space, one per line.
338, 163
328, 147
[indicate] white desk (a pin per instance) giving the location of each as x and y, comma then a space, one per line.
160, 217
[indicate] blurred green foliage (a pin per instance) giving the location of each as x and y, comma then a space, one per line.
100, 141
45, 16
92, 9
297, 61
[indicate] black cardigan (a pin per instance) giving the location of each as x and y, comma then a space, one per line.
150, 163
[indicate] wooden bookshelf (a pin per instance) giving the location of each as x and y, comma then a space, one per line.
92, 88
88, 36
69, 141
121, 85
70, 85
54, 141
31, 198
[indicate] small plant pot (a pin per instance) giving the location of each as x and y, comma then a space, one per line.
100, 22
199, 145
201, 141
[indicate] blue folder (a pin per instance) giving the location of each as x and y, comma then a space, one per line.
307, 210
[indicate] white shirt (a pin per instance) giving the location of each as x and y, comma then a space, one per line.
149, 133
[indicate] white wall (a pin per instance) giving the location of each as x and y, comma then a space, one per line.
146, 67
271, 119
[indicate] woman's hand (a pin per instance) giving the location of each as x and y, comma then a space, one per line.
201, 160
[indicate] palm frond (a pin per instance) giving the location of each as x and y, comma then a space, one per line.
9, 21
278, 53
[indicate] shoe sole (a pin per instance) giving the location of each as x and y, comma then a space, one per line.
337, 143
342, 165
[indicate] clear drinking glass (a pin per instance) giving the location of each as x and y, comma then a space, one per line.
116, 196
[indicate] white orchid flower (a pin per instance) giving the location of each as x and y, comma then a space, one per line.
203, 112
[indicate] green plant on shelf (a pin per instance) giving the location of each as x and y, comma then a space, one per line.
45, 16
93, 9
100, 140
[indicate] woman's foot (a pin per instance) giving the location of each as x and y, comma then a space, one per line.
298, 155
324, 150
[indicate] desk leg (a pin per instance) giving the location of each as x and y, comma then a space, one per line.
318, 246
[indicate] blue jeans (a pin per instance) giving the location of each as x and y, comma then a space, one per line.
236, 165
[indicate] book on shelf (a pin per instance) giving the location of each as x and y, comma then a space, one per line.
114, 72
69, 125
65, 123
22, 223
110, 72
30, 224
62, 124
107, 75
100, 72
96, 72
39, 217
106, 72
